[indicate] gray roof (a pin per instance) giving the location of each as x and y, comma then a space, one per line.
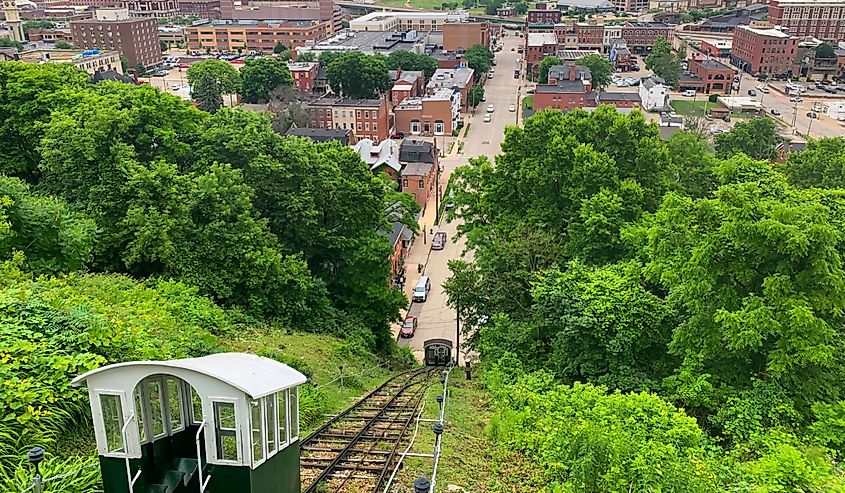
649, 82
714, 65
617, 96
321, 134
416, 151
416, 169
111, 75
407, 75
562, 72
564, 86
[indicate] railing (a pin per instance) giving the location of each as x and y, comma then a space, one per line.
131, 479
202, 483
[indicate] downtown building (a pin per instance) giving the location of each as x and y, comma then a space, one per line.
136, 38
762, 49
821, 19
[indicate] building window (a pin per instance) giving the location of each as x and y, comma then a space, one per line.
421, 184
439, 127
404, 183
112, 410
226, 431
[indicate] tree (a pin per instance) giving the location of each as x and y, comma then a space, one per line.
693, 166
491, 6
163, 46
53, 237
209, 80
10, 43
521, 8
306, 56
279, 48
358, 76
475, 95
63, 45
600, 68
819, 165
479, 58
406, 60
663, 63
261, 76
825, 50
543, 69
124, 63
757, 138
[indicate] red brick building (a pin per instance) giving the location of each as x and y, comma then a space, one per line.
763, 50
641, 36
50, 35
432, 114
716, 48
461, 36
205, 9
407, 84
304, 74
135, 38
537, 47
367, 118
589, 36
537, 16
715, 77
419, 161
822, 19
565, 95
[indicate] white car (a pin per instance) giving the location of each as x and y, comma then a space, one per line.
487, 118
690, 93
512, 108
489, 108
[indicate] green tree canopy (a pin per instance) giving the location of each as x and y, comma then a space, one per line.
756, 138
406, 60
600, 68
821, 164
543, 69
475, 95
209, 80
663, 63
261, 76
306, 56
358, 76
479, 58
825, 50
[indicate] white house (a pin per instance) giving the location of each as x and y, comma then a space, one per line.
654, 94
835, 110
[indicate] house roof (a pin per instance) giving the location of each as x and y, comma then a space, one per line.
616, 96
459, 77
416, 151
713, 65
542, 39
385, 153
254, 375
562, 72
416, 169
409, 76
562, 86
112, 76
321, 134
653, 81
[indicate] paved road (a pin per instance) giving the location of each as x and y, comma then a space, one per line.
435, 318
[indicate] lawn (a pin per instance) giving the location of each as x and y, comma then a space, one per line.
691, 108
416, 4
528, 102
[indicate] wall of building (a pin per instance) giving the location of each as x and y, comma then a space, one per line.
459, 36
136, 39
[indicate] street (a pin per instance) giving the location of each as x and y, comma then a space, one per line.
435, 318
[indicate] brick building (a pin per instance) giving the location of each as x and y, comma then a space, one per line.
460, 36
822, 19
160, 9
419, 162
763, 50
135, 38
537, 16
304, 75
537, 47
564, 95
367, 118
708, 76
206, 9
49, 35
570, 71
308, 11
716, 48
93, 62
589, 36
458, 80
407, 84
433, 114
257, 36
641, 36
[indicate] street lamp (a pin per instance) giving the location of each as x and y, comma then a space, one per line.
812, 115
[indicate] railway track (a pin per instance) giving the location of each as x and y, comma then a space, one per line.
356, 450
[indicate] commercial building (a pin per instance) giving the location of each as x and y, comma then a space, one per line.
631, 5
537, 16
160, 9
304, 75
172, 35
406, 21
91, 61
763, 50
367, 118
458, 80
49, 35
206, 9
371, 42
437, 113
537, 47
641, 36
564, 95
135, 38
708, 76
589, 36
460, 36
260, 36
407, 84
822, 19
310, 11
716, 48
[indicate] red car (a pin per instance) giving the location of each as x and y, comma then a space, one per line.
409, 326
439, 241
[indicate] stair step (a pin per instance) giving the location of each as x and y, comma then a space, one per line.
172, 479
186, 466
156, 488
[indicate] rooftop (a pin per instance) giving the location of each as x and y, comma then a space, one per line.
713, 65
562, 86
250, 22
360, 103
302, 66
416, 151
562, 72
771, 32
321, 134
451, 77
541, 39
653, 81
571, 55
616, 96
372, 41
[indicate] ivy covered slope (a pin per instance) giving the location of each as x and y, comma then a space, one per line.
659, 315
134, 226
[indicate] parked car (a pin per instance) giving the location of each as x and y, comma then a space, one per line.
487, 118
796, 99
409, 326
439, 240
752, 92
489, 108
512, 108
490, 75
689, 93
812, 114
775, 111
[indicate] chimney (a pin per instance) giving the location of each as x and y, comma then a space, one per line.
572, 72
